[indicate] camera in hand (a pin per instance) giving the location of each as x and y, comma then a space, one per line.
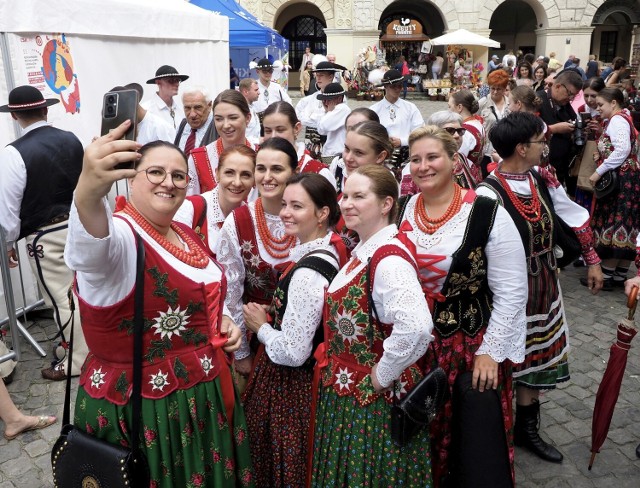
579, 135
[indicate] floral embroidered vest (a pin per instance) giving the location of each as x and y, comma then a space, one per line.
605, 146
315, 263
261, 277
353, 339
181, 343
476, 154
468, 300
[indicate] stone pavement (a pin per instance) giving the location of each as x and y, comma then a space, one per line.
566, 412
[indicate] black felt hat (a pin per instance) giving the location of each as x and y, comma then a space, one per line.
392, 77
26, 97
332, 90
167, 71
330, 67
264, 63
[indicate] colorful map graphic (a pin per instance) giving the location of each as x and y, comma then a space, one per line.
57, 68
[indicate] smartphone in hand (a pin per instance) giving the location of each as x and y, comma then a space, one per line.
118, 106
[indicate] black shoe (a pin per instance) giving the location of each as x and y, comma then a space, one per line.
526, 433
607, 284
638, 451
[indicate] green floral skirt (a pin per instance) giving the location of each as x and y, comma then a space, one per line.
186, 436
353, 446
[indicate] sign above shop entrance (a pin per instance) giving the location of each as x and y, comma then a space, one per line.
404, 29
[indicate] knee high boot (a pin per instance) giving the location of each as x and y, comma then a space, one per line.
526, 433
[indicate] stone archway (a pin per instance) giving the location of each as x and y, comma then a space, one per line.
272, 11
447, 10
613, 33
546, 12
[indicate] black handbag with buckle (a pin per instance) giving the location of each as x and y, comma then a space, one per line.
81, 460
421, 405
608, 184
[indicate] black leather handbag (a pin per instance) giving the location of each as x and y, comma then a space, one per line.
80, 460
422, 403
608, 184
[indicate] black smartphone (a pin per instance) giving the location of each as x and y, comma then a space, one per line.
118, 106
585, 116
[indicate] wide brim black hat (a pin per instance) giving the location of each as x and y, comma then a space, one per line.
392, 77
26, 97
264, 63
332, 90
167, 71
328, 66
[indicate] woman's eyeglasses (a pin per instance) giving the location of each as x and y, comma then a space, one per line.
157, 175
453, 130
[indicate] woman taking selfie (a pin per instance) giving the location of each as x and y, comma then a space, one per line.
252, 241
190, 405
278, 397
369, 353
231, 114
479, 318
206, 213
280, 120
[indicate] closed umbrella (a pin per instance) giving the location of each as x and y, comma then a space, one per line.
609, 388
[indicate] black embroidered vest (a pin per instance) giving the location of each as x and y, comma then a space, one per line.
53, 160
468, 299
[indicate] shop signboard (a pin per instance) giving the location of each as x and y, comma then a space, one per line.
404, 29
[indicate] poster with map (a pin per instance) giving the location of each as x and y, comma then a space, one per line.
48, 65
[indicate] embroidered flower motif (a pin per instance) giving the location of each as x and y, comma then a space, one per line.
171, 322
246, 246
254, 280
398, 389
97, 378
205, 362
254, 260
34, 251
347, 327
159, 380
347, 238
343, 379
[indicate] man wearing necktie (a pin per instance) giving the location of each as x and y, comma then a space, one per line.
197, 128
398, 116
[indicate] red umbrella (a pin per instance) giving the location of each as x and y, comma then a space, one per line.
609, 388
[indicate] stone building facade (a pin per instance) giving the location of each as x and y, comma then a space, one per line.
606, 28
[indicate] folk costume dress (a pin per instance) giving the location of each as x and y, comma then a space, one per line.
547, 347
352, 441
203, 214
194, 427
471, 270
252, 266
278, 397
307, 164
616, 217
473, 142
465, 173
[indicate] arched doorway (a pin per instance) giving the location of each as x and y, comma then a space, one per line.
518, 33
303, 25
613, 24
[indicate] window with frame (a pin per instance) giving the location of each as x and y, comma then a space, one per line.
304, 31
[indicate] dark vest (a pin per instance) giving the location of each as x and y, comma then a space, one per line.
209, 136
53, 160
468, 299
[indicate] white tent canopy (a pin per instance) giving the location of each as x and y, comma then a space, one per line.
464, 37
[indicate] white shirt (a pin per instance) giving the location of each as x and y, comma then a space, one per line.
509, 57
400, 118
332, 125
157, 106
506, 331
12, 185
398, 299
105, 268
215, 216
310, 110
268, 95
469, 140
336, 163
229, 254
200, 131
619, 132
253, 127
490, 113
305, 158
153, 128
293, 344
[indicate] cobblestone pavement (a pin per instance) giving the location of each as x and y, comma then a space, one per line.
566, 412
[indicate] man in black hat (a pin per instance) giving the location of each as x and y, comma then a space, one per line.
270, 91
310, 108
163, 103
39, 173
397, 115
332, 124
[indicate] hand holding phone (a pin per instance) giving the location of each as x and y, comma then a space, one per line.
118, 106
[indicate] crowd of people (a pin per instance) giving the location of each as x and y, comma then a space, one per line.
294, 292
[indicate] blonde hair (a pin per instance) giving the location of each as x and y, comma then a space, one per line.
449, 144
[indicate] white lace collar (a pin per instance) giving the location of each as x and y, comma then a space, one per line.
364, 250
214, 211
320, 243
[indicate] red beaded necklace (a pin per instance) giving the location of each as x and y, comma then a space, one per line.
277, 248
220, 146
429, 225
195, 257
529, 210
